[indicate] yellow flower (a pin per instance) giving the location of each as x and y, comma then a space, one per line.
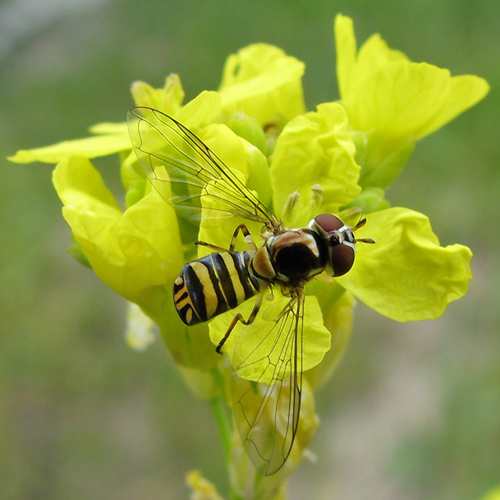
394, 102
406, 275
314, 168
299, 164
136, 252
130, 251
314, 155
264, 83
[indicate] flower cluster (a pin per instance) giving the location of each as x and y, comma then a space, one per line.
342, 155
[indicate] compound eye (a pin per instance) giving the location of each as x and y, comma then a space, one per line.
342, 259
328, 222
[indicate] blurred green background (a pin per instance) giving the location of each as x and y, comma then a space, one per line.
414, 410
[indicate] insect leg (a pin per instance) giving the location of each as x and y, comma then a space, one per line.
247, 237
209, 245
243, 229
240, 318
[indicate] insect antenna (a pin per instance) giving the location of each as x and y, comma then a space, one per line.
361, 223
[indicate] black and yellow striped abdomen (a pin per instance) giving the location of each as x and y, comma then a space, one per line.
212, 285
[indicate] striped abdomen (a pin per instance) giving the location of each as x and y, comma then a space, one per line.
212, 285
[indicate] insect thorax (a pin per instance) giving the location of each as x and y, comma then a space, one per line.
291, 258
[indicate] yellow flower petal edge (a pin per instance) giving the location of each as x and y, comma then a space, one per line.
167, 99
130, 251
137, 253
463, 92
264, 82
200, 111
89, 147
256, 341
315, 149
372, 55
405, 100
406, 275
238, 156
395, 101
380, 85
77, 182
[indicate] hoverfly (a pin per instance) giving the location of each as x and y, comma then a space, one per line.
197, 182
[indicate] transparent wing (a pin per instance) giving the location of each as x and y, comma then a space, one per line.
187, 171
267, 414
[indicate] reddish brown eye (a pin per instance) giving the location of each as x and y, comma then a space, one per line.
342, 259
328, 222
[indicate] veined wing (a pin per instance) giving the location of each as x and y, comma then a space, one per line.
170, 152
267, 414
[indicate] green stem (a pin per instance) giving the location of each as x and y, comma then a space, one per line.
224, 423
219, 409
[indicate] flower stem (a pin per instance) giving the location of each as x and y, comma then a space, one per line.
223, 419
219, 409
221, 413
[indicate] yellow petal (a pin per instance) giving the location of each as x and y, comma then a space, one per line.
406, 275
315, 150
264, 82
404, 100
130, 251
266, 339
394, 101
345, 42
167, 99
90, 147
200, 111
